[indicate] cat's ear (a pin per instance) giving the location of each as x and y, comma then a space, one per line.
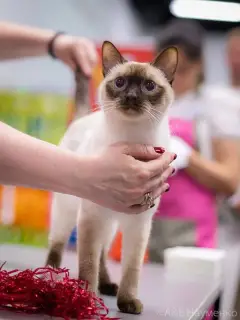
110, 57
167, 61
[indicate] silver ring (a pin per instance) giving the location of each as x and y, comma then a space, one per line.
148, 200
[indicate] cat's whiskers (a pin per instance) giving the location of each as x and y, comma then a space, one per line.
157, 111
158, 114
149, 115
106, 103
153, 116
109, 109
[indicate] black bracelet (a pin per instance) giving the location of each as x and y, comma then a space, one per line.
51, 44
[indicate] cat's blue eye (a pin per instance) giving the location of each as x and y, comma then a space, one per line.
149, 85
120, 82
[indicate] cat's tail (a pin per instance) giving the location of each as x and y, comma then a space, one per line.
82, 95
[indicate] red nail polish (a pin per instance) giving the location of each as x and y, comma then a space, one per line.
167, 189
159, 150
173, 171
175, 157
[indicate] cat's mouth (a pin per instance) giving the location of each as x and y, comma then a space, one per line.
131, 110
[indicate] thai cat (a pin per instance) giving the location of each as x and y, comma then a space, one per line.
135, 98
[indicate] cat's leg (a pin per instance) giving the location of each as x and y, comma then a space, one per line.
91, 229
106, 286
63, 221
136, 231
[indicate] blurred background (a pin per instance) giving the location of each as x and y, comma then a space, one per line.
48, 85
127, 22
36, 94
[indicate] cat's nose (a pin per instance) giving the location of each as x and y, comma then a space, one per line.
131, 98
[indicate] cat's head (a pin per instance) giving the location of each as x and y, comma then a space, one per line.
134, 89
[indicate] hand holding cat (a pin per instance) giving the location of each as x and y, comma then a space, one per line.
76, 52
120, 181
183, 151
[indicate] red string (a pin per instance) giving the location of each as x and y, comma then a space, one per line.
38, 292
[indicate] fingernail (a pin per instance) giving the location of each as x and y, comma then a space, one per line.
153, 205
175, 157
167, 189
173, 170
159, 150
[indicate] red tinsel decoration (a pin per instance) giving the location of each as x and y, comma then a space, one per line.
37, 292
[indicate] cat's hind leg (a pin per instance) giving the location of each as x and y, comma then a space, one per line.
63, 221
136, 230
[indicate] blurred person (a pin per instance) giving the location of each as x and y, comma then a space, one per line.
233, 51
207, 163
230, 209
30, 162
205, 138
230, 94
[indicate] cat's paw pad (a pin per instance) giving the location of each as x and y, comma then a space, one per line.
133, 306
108, 289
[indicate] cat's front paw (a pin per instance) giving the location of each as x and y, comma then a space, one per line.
108, 289
133, 306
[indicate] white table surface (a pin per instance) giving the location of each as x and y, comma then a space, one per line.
164, 297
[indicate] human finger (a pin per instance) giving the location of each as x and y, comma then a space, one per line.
159, 165
158, 180
91, 52
82, 60
141, 152
155, 183
138, 208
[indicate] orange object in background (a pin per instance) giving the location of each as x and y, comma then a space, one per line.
31, 208
116, 249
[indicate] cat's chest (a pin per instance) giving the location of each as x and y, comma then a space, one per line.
158, 135
101, 136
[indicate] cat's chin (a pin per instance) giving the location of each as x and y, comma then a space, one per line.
131, 115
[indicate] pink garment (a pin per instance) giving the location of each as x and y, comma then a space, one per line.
187, 199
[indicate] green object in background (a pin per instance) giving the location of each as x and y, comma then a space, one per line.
24, 236
41, 115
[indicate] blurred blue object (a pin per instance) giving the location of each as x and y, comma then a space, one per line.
73, 238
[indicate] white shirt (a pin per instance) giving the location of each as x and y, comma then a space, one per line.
219, 107
224, 112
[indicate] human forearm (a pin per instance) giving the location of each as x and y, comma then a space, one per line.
212, 174
21, 41
34, 163
102, 178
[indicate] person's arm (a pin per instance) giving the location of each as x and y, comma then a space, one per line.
19, 41
30, 162
113, 179
223, 174
22, 41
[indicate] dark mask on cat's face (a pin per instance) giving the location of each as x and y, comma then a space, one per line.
137, 88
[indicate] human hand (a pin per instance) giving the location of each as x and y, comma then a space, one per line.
76, 52
183, 151
119, 181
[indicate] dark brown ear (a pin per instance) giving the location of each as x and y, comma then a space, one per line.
110, 57
167, 61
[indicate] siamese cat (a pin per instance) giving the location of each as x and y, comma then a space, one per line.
135, 98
